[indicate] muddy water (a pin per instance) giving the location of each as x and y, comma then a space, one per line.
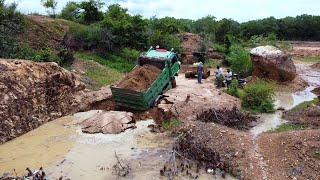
64, 151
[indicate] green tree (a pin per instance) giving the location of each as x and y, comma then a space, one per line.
50, 4
128, 31
70, 12
92, 11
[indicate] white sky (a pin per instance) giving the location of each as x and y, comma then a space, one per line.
240, 10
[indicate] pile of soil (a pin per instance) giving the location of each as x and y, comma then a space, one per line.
32, 94
233, 118
141, 78
218, 147
291, 155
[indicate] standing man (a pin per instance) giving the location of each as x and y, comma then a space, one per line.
200, 72
219, 77
229, 77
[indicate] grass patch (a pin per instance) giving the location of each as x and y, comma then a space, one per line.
289, 127
103, 76
311, 59
305, 105
111, 61
167, 125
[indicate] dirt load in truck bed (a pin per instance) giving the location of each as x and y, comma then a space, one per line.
140, 79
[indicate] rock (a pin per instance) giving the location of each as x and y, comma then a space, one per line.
271, 63
32, 94
109, 122
212, 54
316, 66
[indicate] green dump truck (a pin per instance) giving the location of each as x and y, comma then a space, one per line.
168, 62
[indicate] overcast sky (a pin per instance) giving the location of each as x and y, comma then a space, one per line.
240, 10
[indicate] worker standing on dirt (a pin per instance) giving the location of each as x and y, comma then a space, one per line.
200, 72
219, 77
229, 77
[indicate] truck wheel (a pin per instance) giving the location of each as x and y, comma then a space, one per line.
173, 83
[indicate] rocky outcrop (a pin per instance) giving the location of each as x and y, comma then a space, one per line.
271, 63
108, 122
32, 94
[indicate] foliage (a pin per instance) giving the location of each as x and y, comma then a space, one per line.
305, 105
171, 124
50, 4
233, 89
259, 97
165, 40
112, 61
66, 56
11, 24
130, 55
212, 63
102, 76
289, 127
240, 60
91, 11
70, 12
127, 30
85, 12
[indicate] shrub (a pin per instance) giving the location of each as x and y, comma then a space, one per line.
165, 40
11, 24
168, 125
233, 89
240, 60
130, 54
259, 97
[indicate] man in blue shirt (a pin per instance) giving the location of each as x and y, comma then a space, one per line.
200, 72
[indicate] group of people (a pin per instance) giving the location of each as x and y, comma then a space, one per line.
220, 77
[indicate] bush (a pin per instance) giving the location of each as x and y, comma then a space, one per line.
233, 89
240, 60
11, 24
130, 54
259, 97
165, 40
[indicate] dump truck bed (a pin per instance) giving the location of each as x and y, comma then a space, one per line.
144, 100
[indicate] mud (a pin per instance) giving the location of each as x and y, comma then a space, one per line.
140, 79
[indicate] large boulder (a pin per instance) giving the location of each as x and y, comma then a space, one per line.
271, 63
108, 122
32, 94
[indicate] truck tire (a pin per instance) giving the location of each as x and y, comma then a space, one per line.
173, 83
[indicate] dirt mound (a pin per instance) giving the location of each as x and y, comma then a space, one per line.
219, 147
271, 63
43, 32
190, 43
291, 155
140, 79
232, 118
32, 94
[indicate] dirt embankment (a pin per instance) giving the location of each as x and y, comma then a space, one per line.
292, 155
305, 49
43, 32
140, 79
32, 94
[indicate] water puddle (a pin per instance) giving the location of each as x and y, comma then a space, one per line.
287, 100
63, 150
